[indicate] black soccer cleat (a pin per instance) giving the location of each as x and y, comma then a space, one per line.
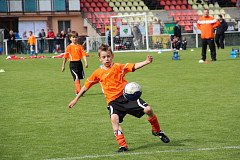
122, 149
162, 136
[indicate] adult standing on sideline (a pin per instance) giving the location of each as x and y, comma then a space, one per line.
51, 40
219, 37
42, 36
206, 25
11, 41
178, 31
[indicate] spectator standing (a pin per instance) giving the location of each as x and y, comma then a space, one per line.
24, 42
178, 31
206, 24
107, 35
60, 42
68, 36
32, 43
220, 36
51, 38
41, 36
11, 41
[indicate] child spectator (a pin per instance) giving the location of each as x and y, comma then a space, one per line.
184, 43
176, 43
32, 43
74, 53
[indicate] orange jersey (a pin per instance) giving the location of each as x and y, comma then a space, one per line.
206, 25
32, 40
74, 52
111, 80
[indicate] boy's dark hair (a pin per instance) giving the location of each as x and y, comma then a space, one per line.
104, 48
220, 16
73, 33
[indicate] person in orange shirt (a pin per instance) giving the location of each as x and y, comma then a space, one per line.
110, 75
32, 43
74, 53
206, 24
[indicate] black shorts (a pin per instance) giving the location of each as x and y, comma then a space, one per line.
76, 69
121, 106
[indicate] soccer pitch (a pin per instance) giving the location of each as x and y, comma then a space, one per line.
197, 106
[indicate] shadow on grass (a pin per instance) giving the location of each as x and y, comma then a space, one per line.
156, 144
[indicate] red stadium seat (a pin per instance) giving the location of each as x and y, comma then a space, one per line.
87, 5
84, 9
103, 9
166, 8
184, 2
181, 23
93, 4
173, 2
109, 9
176, 18
105, 4
168, 2
89, 1
172, 7
96, 9
183, 7
99, 4
90, 9
89, 15
98, 26
178, 7
162, 2
179, 2
94, 1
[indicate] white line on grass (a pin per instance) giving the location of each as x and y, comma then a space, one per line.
144, 153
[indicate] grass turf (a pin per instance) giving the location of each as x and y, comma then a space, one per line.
196, 104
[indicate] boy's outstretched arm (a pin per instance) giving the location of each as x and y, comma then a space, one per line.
148, 60
74, 101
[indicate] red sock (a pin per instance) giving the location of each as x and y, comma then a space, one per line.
154, 123
77, 86
120, 139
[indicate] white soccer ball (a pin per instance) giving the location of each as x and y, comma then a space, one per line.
201, 61
132, 91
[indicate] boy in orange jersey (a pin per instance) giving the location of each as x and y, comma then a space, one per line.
74, 53
111, 77
206, 24
32, 43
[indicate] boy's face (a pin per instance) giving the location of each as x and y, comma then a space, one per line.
106, 58
74, 39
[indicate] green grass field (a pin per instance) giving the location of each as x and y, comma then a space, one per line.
196, 104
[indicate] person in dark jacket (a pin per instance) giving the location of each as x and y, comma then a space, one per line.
219, 37
177, 31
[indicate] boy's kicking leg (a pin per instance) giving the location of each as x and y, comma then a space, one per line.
156, 130
118, 133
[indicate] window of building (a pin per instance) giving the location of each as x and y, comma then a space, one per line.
30, 6
74, 5
15, 5
63, 26
59, 5
45, 5
3, 6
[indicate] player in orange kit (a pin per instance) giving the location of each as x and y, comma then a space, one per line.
74, 53
110, 75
